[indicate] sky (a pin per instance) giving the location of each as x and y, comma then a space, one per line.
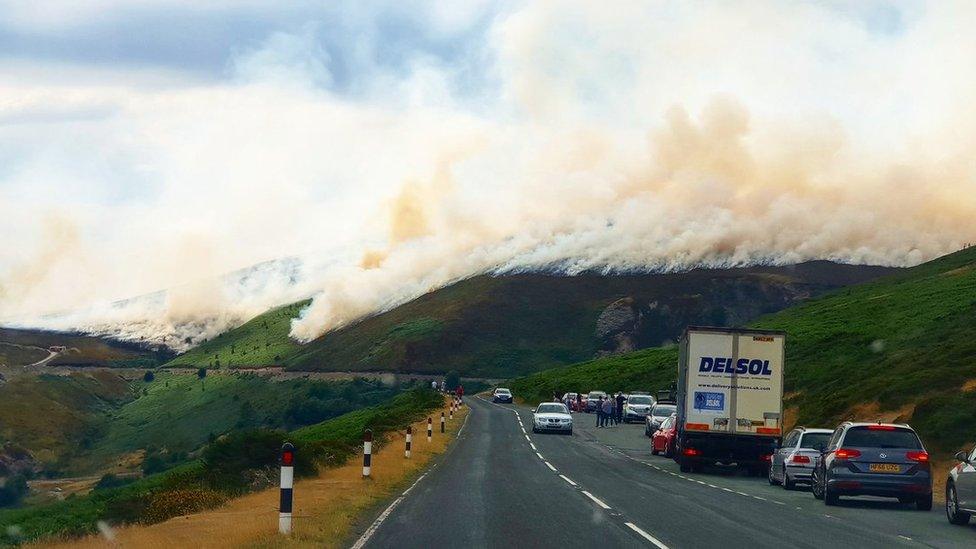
374, 151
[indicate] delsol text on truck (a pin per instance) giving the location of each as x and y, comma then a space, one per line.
730, 397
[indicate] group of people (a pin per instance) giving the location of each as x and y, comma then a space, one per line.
610, 410
458, 391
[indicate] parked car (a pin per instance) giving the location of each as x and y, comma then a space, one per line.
795, 459
874, 459
502, 395
663, 440
659, 412
637, 407
592, 399
552, 416
961, 489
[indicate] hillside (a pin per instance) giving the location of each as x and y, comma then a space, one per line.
901, 347
509, 325
19, 347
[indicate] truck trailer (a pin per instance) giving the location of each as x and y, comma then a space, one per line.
730, 397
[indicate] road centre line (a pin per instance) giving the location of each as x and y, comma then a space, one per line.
596, 500
540, 456
569, 480
549, 465
645, 535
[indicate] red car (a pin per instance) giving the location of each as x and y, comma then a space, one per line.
663, 440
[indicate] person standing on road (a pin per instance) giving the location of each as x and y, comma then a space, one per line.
433, 385
607, 407
612, 419
620, 406
579, 402
599, 413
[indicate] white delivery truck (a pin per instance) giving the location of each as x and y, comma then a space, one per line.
730, 397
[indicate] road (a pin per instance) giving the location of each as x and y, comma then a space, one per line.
502, 487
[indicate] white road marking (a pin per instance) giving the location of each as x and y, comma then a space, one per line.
567, 479
533, 447
540, 456
759, 498
527, 438
645, 535
712, 486
727, 490
596, 500
384, 515
702, 483
904, 537
743, 494
549, 465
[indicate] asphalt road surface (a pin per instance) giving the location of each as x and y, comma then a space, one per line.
501, 487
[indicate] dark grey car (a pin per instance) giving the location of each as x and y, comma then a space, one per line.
874, 459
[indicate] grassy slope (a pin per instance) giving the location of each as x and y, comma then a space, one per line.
52, 415
501, 326
906, 342
82, 350
341, 436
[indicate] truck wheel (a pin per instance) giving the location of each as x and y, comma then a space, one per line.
685, 466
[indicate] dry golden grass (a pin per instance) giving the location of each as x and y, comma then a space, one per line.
326, 508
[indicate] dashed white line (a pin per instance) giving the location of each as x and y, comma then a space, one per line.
701, 482
904, 537
540, 456
596, 500
549, 465
533, 447
567, 479
743, 494
645, 535
527, 438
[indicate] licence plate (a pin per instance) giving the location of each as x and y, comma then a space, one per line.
884, 468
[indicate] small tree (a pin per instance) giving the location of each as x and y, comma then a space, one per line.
149, 376
452, 380
202, 374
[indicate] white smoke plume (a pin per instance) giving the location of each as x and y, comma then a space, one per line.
653, 136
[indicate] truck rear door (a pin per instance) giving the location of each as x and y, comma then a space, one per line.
758, 384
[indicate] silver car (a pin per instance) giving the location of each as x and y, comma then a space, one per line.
659, 412
794, 461
552, 416
961, 489
637, 407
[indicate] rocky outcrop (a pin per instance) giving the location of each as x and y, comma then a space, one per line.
16, 460
617, 327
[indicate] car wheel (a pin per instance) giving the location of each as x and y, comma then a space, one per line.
815, 488
653, 450
788, 483
955, 516
829, 497
668, 450
924, 503
771, 477
685, 466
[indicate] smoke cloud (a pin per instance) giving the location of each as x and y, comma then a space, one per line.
647, 138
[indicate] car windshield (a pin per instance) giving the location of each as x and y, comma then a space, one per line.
867, 437
502, 392
815, 440
640, 400
663, 410
552, 409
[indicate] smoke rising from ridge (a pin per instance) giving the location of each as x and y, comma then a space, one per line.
653, 137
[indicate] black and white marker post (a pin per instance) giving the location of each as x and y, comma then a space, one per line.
367, 452
430, 428
406, 454
451, 411
287, 480
442, 422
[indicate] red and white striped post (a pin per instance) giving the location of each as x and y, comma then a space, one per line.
287, 482
367, 452
442, 422
430, 428
406, 454
451, 412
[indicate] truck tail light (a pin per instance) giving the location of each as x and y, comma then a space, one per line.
847, 453
919, 456
766, 457
799, 459
691, 452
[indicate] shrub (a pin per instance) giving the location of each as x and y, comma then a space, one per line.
173, 503
149, 376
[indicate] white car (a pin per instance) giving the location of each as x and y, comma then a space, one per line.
637, 407
552, 416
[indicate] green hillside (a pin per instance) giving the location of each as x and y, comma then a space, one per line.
508, 325
902, 347
19, 347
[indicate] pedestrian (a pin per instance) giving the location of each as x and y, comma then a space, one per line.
579, 402
599, 413
433, 385
607, 406
443, 387
620, 406
612, 414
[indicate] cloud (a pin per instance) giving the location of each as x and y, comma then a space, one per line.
560, 136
